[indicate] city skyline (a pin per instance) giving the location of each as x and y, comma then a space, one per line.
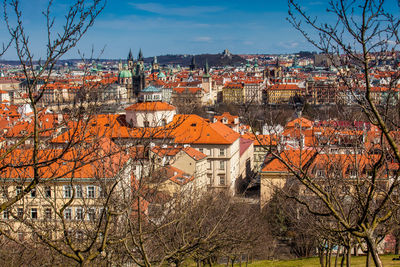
178, 27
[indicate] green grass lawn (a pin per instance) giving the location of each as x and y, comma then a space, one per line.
314, 262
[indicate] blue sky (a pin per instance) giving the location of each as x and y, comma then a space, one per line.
179, 27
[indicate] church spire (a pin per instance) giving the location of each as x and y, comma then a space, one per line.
193, 64
206, 70
130, 56
140, 56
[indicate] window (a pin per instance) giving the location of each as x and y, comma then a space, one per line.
18, 190
146, 124
222, 165
47, 191
4, 191
91, 214
33, 193
221, 152
34, 213
353, 173
79, 214
68, 214
20, 212
201, 150
78, 191
222, 180
47, 213
91, 191
6, 215
67, 191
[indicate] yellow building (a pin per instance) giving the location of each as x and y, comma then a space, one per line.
283, 93
233, 93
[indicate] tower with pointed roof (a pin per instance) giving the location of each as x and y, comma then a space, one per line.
138, 76
192, 65
206, 83
130, 59
154, 66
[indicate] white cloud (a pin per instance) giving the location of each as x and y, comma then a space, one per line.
290, 44
203, 39
176, 11
248, 43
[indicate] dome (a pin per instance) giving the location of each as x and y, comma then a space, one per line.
125, 74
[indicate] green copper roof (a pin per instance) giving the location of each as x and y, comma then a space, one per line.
161, 75
151, 89
125, 74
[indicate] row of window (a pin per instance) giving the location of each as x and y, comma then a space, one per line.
18, 190
222, 180
206, 151
79, 214
90, 192
68, 190
221, 165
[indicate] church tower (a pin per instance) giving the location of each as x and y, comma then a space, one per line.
130, 60
154, 66
206, 81
139, 80
192, 65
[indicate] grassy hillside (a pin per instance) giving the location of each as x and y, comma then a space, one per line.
314, 262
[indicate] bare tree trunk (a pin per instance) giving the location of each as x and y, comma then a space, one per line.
397, 244
337, 255
321, 257
348, 257
356, 250
368, 264
329, 256
374, 251
343, 258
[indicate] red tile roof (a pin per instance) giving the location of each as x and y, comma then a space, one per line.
150, 106
194, 153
